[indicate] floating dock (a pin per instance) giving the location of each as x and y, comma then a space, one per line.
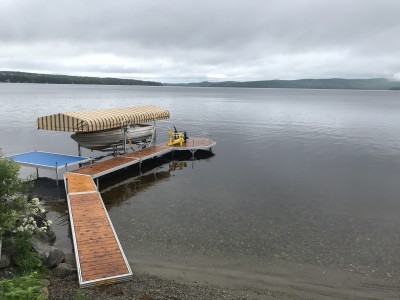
99, 256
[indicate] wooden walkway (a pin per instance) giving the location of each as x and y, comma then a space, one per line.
99, 256
114, 164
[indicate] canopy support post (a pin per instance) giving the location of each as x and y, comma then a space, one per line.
155, 133
125, 130
79, 150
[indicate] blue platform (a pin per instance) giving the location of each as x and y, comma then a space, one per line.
47, 160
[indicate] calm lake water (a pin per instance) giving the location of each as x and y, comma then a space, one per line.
303, 179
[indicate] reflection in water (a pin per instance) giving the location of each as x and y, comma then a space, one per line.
117, 189
116, 194
113, 195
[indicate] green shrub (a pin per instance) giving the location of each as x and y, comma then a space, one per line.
11, 189
17, 217
26, 259
25, 287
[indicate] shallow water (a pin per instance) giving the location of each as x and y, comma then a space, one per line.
305, 177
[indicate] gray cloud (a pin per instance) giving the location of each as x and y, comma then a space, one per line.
197, 40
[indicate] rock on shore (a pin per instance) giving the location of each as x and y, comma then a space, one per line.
50, 255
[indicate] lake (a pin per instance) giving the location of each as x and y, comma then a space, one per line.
301, 196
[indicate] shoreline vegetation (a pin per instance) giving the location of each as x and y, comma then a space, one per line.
330, 83
24, 77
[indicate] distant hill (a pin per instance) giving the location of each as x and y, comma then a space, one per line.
333, 83
23, 77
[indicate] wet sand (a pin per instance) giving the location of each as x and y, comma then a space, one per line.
275, 280
280, 280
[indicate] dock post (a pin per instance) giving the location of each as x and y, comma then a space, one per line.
79, 153
57, 174
37, 173
193, 152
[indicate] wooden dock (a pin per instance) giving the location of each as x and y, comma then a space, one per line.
114, 164
99, 256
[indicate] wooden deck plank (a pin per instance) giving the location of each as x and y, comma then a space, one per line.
106, 165
99, 253
79, 183
195, 143
146, 152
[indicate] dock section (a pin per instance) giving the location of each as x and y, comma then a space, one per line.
126, 160
99, 256
98, 252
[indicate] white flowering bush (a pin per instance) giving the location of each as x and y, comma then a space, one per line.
18, 217
27, 223
16, 213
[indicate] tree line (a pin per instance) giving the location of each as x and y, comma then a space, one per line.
24, 77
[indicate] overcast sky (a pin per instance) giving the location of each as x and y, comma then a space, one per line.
184, 40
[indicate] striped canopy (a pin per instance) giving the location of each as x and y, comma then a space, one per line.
101, 119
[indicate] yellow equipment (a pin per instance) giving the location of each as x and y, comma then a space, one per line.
175, 138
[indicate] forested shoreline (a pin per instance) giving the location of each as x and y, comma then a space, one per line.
24, 77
